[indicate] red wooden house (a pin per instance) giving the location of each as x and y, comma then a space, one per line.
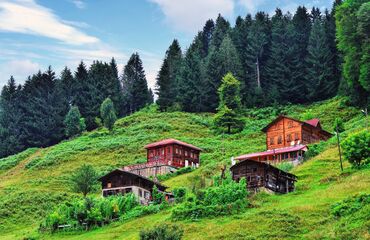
167, 156
286, 139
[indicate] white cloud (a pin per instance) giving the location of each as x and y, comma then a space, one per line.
26, 16
19, 69
251, 5
190, 15
79, 4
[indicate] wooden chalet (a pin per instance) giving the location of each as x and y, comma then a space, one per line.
263, 175
167, 156
286, 139
121, 182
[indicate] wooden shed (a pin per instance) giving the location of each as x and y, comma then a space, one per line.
263, 175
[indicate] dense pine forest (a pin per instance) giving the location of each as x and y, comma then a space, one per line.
299, 57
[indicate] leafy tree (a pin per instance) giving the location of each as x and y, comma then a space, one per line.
227, 116
84, 180
338, 128
356, 148
108, 114
157, 196
74, 123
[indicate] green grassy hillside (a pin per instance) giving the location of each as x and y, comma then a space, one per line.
33, 182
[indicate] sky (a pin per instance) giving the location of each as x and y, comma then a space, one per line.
37, 33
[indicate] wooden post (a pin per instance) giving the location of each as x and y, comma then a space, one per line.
340, 153
287, 186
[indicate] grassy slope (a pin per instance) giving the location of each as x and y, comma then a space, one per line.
26, 194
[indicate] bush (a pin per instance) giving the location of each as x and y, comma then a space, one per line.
356, 148
350, 205
167, 176
162, 232
285, 166
90, 212
225, 197
179, 194
314, 150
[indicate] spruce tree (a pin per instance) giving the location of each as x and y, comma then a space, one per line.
108, 114
320, 84
74, 124
220, 61
192, 85
167, 85
227, 118
68, 85
135, 86
206, 37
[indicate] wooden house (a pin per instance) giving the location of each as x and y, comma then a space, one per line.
286, 139
167, 156
121, 182
286, 132
263, 175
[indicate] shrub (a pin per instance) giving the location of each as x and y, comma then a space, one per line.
356, 148
162, 232
84, 180
179, 194
350, 205
225, 197
285, 166
314, 150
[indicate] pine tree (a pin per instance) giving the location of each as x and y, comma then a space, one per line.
258, 40
206, 37
68, 85
319, 80
301, 32
222, 28
135, 86
10, 119
74, 124
167, 85
352, 36
108, 114
220, 61
192, 83
227, 118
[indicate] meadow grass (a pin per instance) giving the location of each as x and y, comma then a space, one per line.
38, 180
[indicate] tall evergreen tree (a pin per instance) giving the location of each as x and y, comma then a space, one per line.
206, 37
257, 50
74, 124
108, 114
167, 85
191, 79
135, 86
301, 31
320, 84
352, 19
220, 61
222, 28
68, 85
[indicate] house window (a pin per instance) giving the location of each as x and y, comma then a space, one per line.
272, 141
290, 124
169, 150
186, 153
254, 169
296, 137
289, 138
109, 185
177, 150
162, 151
280, 140
140, 193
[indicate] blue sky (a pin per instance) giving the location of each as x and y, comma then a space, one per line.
38, 33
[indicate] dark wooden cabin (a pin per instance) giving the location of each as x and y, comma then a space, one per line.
263, 175
120, 182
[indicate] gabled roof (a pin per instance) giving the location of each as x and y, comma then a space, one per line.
292, 176
171, 141
273, 152
315, 122
133, 175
